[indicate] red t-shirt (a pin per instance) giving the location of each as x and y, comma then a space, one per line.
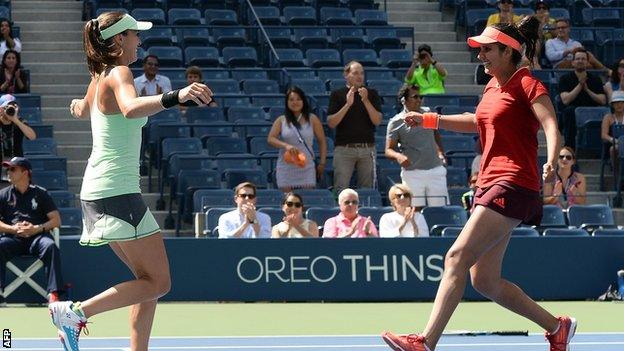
508, 129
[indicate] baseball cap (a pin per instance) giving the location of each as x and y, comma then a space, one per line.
540, 3
126, 22
618, 96
18, 161
6, 99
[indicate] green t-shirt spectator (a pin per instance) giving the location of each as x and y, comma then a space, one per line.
430, 81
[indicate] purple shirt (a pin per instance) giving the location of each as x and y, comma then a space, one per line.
336, 227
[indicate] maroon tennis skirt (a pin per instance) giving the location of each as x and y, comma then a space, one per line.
511, 200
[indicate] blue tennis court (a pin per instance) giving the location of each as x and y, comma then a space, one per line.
534, 342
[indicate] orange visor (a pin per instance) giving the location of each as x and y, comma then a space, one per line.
492, 35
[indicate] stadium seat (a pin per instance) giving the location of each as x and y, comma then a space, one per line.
383, 38
361, 4
590, 216
395, 58
193, 37
204, 115
240, 56
63, 198
276, 214
268, 15
317, 197
367, 57
229, 36
321, 214
455, 195
212, 219
226, 161
441, 217
32, 115
180, 3
371, 17
385, 87
244, 74
154, 15
50, 180
189, 181
299, 15
369, 198
156, 36
218, 145
288, 58
323, 58
565, 232
224, 86
205, 199
602, 17
42, 163
248, 113
187, 16
311, 38
552, 217
39, 146
215, 129
281, 37
348, 38
168, 56
524, 232
233, 177
269, 198
203, 56
215, 17
268, 101
559, 12
453, 144
451, 232
336, 16
374, 213
310, 86
588, 124
381, 73
71, 221
608, 232
476, 20
260, 86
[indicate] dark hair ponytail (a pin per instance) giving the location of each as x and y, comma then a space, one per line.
101, 53
305, 110
526, 32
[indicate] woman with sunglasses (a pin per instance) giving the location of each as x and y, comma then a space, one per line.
294, 225
616, 82
569, 187
513, 107
405, 221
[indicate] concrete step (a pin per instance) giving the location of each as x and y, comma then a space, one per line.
409, 15
69, 124
60, 100
70, 78
618, 215
58, 89
60, 68
30, 57
56, 45
74, 152
460, 68
454, 78
593, 182
57, 113
73, 137
426, 26
445, 57
36, 36
426, 37
53, 15
464, 89
26, 26
24, 5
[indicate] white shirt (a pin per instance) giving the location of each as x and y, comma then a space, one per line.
555, 48
230, 221
150, 86
4, 47
390, 222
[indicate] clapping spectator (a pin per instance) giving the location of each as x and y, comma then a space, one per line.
611, 119
150, 82
293, 134
405, 221
348, 223
8, 42
426, 72
561, 50
245, 221
294, 225
617, 77
13, 128
12, 77
505, 15
569, 187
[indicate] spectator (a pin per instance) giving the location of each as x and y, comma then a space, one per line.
245, 221
12, 77
569, 187
578, 88
354, 111
611, 119
150, 82
27, 215
8, 42
547, 23
419, 152
405, 221
294, 134
560, 50
505, 15
13, 128
615, 82
348, 223
430, 81
294, 225
194, 75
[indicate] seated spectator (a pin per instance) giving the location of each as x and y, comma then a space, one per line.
419, 152
293, 134
560, 50
8, 42
27, 215
616, 79
194, 75
405, 221
578, 88
348, 223
505, 15
426, 72
569, 187
294, 225
12, 76
547, 23
245, 221
150, 82
611, 119
13, 128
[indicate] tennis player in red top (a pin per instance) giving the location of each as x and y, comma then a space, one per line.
513, 107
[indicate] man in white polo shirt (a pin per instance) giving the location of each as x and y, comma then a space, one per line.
150, 82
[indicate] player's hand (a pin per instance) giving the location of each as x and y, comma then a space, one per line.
196, 92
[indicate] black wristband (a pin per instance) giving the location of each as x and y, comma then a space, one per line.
170, 98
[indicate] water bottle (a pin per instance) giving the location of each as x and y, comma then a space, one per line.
621, 282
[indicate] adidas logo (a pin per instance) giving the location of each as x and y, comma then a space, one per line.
500, 202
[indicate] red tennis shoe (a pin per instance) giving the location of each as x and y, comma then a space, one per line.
411, 342
560, 340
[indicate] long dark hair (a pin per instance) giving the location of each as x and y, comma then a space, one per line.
18, 59
526, 32
289, 194
100, 52
615, 77
305, 111
2, 20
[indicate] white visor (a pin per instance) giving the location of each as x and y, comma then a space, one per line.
125, 23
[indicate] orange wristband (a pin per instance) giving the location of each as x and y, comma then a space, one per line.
430, 120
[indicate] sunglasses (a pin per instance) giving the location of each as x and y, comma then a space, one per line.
567, 157
295, 204
247, 196
350, 202
402, 196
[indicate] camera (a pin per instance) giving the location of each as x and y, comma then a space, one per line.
422, 56
10, 110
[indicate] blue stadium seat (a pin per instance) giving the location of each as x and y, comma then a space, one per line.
336, 16
216, 73
244, 74
71, 221
233, 177
229, 36
247, 128
240, 56
204, 115
235, 160
156, 36
369, 198
133, 4
451, 232
455, 195
383, 38
32, 115
585, 36
281, 37
552, 217
42, 163
441, 217
168, 56
250, 112
39, 146
203, 56
361, 4
323, 58
608, 232
221, 144
260, 86
154, 15
275, 112
348, 38
179, 16
193, 37
310, 86
456, 176
559, 12
180, 3
602, 17
224, 86
212, 220
268, 101
50, 180
590, 216
205, 199
588, 124
381, 73
216, 17
260, 146
524, 232
328, 73
317, 198
320, 214
268, 15
367, 57
299, 15
565, 232
102, 10
188, 182
63, 198
269, 198
459, 143
371, 17
288, 58
311, 38
476, 20
374, 213
28, 100
275, 213
385, 87
395, 58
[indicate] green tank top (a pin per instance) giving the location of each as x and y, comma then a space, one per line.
113, 167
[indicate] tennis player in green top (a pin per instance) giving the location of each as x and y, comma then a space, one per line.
113, 210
